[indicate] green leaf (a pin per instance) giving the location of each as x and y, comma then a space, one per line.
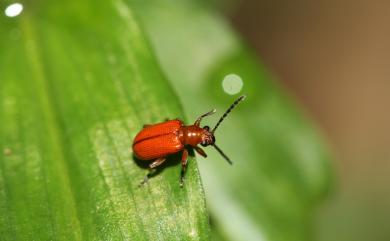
281, 168
77, 81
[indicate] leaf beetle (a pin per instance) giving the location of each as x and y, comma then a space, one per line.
157, 141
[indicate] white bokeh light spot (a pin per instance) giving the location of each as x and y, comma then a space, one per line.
13, 10
232, 84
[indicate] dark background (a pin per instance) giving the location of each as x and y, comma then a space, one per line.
334, 57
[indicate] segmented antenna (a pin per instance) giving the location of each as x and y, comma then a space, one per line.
223, 154
242, 97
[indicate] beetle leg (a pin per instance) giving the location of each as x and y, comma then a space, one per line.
157, 162
152, 169
146, 178
200, 151
183, 166
146, 125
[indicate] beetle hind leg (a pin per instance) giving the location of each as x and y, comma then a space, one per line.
157, 162
152, 169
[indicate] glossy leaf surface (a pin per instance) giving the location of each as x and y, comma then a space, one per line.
77, 81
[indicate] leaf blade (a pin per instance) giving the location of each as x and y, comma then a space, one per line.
81, 98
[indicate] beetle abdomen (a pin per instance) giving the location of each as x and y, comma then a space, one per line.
157, 146
171, 126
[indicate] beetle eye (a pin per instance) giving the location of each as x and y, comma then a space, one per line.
203, 143
207, 128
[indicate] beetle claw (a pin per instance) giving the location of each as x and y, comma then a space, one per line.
145, 181
181, 182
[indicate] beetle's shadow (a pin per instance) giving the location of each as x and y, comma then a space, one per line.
172, 160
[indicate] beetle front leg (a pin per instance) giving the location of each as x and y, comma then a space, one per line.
152, 169
200, 151
183, 166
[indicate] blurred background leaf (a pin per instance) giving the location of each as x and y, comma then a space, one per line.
333, 55
78, 81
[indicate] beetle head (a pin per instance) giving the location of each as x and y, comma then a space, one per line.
208, 137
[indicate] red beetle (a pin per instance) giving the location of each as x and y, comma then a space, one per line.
156, 142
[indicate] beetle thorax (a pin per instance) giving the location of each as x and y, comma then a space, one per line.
194, 135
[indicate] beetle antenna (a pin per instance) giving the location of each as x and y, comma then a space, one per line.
222, 154
242, 97
197, 122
